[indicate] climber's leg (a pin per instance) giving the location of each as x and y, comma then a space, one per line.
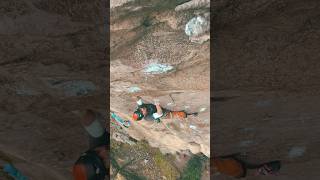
97, 134
179, 114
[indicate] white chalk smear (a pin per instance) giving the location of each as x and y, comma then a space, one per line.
296, 151
134, 89
170, 104
155, 68
202, 109
193, 127
74, 87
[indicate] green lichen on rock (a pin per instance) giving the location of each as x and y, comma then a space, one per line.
167, 169
194, 168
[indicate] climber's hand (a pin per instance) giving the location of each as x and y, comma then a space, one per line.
139, 100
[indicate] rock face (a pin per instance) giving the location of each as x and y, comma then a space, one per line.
150, 51
51, 65
266, 61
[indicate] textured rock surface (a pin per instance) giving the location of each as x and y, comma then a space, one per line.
266, 66
150, 49
51, 65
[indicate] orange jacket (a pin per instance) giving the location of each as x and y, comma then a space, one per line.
229, 167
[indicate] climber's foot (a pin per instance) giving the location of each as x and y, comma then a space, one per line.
270, 168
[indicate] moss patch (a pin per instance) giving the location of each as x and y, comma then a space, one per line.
167, 169
163, 164
194, 168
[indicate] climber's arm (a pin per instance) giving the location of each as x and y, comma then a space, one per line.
159, 112
159, 109
139, 100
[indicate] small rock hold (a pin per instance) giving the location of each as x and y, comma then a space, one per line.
197, 26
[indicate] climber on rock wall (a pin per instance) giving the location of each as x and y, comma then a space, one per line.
91, 164
232, 166
153, 112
